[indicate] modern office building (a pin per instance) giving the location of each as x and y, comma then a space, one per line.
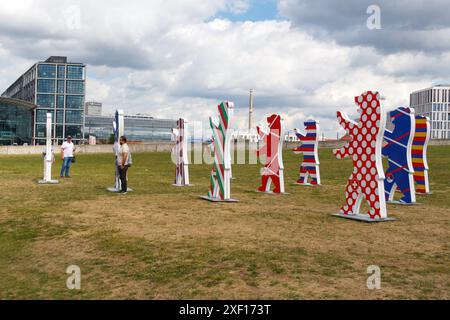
16, 121
434, 103
137, 128
56, 86
93, 109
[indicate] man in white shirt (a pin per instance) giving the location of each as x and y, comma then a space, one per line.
124, 162
67, 153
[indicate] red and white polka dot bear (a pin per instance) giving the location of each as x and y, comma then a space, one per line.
365, 148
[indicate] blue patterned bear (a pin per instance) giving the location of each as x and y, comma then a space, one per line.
398, 150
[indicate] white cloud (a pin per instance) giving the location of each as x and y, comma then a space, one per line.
171, 58
238, 6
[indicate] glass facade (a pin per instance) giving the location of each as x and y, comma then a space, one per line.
75, 72
74, 131
60, 102
47, 71
41, 115
75, 87
74, 102
40, 132
45, 101
59, 116
61, 71
55, 86
60, 90
46, 86
61, 86
137, 128
74, 116
16, 122
58, 87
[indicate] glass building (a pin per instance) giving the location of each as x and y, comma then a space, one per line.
58, 87
434, 103
93, 108
16, 121
137, 128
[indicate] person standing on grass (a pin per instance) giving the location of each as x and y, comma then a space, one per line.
124, 163
67, 153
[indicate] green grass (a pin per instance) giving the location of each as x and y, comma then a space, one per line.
161, 242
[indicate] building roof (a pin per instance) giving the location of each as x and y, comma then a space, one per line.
59, 60
17, 102
432, 87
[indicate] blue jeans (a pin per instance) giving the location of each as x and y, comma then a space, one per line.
66, 167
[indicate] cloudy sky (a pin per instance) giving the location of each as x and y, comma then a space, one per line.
172, 58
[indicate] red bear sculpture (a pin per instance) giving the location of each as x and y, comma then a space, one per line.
272, 148
365, 148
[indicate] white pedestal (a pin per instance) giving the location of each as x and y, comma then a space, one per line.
218, 200
362, 218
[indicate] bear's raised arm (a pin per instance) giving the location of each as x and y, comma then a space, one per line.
299, 134
345, 121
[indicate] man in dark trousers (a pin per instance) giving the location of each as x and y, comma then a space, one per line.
124, 162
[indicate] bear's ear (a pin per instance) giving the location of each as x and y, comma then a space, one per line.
271, 120
359, 99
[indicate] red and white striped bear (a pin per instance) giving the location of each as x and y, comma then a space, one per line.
272, 149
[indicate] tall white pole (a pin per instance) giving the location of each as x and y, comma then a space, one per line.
48, 150
48, 159
251, 110
119, 132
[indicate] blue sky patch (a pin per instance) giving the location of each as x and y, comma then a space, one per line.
259, 10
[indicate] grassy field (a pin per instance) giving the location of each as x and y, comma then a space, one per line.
161, 242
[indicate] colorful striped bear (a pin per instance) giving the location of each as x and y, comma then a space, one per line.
310, 168
220, 189
419, 155
400, 174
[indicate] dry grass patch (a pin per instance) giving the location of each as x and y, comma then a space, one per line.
161, 242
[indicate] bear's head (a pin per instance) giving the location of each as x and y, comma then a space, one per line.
274, 122
369, 106
311, 126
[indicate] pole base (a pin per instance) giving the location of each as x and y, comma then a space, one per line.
114, 190
306, 184
218, 200
273, 193
403, 203
424, 194
48, 182
362, 218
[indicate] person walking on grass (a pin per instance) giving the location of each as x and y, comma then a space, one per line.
67, 154
124, 163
